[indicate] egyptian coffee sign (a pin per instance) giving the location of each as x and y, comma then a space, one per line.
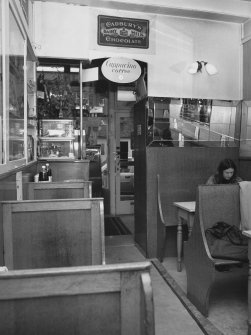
123, 32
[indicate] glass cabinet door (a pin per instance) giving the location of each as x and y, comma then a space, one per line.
31, 140
15, 117
1, 92
18, 121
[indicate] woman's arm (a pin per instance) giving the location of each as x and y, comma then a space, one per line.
211, 180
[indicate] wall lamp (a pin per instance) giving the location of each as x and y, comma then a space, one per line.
196, 67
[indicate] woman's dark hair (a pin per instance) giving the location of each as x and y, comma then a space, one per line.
224, 165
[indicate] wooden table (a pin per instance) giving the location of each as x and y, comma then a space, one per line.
185, 211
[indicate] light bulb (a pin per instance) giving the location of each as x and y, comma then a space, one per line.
193, 68
210, 68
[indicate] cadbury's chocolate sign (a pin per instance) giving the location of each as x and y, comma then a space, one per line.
123, 32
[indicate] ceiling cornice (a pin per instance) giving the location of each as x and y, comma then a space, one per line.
237, 11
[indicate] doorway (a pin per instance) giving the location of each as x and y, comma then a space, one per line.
124, 171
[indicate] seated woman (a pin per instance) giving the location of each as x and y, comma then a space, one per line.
226, 174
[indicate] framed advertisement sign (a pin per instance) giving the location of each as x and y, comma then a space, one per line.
123, 32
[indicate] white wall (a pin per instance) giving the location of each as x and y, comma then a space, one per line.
61, 31
179, 42
70, 31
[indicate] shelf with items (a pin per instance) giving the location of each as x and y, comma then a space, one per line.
57, 148
16, 138
57, 139
56, 128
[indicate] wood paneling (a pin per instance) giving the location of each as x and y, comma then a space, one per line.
53, 233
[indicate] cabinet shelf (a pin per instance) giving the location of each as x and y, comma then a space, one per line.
56, 139
55, 158
16, 138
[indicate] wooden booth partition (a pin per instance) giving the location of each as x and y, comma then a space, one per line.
106, 299
53, 233
59, 190
181, 170
11, 189
67, 169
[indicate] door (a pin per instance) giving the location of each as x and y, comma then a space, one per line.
124, 163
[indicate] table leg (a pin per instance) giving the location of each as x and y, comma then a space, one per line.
179, 243
190, 224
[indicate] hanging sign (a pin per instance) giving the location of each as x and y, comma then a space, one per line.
123, 32
121, 70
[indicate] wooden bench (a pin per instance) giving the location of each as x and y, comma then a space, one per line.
53, 233
59, 190
213, 204
96, 300
248, 234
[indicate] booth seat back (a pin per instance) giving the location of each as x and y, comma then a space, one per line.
58, 190
213, 204
219, 203
96, 300
53, 233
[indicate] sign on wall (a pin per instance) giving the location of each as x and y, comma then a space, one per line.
121, 70
123, 32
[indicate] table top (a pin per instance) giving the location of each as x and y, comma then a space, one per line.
188, 206
247, 233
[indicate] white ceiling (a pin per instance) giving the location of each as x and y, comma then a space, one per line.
222, 10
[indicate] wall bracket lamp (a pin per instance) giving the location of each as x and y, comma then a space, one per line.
197, 66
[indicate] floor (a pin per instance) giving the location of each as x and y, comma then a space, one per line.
228, 309
169, 311
174, 314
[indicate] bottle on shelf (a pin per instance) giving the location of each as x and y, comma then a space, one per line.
49, 172
43, 174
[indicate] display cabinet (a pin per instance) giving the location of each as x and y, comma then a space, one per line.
31, 139
15, 112
56, 139
16, 139
18, 124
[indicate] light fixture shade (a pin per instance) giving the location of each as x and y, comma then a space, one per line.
193, 68
211, 69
